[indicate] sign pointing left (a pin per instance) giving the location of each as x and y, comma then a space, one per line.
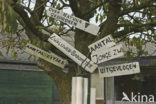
50, 57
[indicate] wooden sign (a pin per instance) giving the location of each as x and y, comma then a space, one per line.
72, 53
105, 42
72, 20
50, 57
105, 55
120, 69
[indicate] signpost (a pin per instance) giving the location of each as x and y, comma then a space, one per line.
119, 69
105, 42
102, 50
74, 84
79, 90
105, 55
85, 91
93, 96
50, 57
72, 53
72, 20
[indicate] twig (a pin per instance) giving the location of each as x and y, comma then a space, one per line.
94, 8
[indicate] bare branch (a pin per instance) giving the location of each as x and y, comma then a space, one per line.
24, 7
137, 8
134, 28
23, 17
94, 8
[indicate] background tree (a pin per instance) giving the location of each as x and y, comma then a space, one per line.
121, 18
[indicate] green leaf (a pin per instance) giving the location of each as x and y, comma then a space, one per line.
97, 17
14, 54
58, 6
7, 18
29, 58
136, 2
1, 54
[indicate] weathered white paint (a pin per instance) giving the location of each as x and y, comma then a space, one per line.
79, 90
103, 43
72, 53
50, 57
98, 83
93, 96
74, 82
119, 70
72, 20
105, 55
85, 90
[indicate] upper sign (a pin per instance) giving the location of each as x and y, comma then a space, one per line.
72, 20
50, 57
72, 53
120, 69
105, 42
105, 55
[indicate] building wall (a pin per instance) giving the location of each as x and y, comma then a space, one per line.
24, 83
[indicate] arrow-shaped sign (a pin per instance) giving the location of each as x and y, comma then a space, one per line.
72, 20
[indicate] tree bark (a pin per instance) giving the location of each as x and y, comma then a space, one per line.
61, 79
110, 25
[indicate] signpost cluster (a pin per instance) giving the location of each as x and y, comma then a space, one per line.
106, 49
80, 91
101, 51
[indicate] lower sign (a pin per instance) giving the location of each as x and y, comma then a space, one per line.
50, 57
105, 55
72, 53
120, 69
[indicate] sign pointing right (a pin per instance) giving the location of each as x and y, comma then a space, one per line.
72, 20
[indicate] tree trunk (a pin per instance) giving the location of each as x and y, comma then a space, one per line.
61, 79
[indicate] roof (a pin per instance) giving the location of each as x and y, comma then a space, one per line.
149, 47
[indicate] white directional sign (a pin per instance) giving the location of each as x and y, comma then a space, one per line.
50, 57
120, 69
72, 20
103, 43
72, 53
105, 55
